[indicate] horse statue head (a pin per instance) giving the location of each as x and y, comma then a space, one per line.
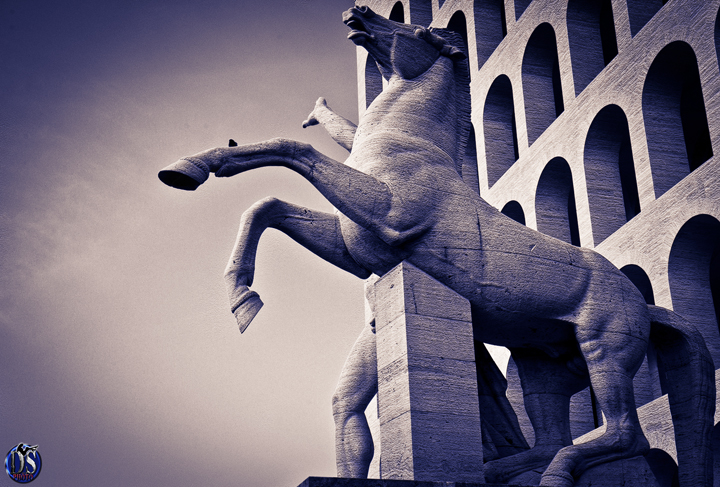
404, 52
395, 46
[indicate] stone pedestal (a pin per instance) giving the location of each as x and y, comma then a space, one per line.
336, 482
427, 386
630, 472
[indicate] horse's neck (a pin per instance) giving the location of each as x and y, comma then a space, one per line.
423, 108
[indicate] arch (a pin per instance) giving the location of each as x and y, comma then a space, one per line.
373, 81
501, 146
641, 11
520, 6
458, 23
591, 35
514, 210
694, 275
641, 280
610, 173
490, 27
555, 202
397, 13
676, 124
541, 81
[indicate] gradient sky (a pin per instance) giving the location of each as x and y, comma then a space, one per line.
120, 357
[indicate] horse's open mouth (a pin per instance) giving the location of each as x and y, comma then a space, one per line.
358, 29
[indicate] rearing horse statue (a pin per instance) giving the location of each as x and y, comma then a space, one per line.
399, 196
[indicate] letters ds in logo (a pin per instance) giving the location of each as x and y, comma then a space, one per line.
23, 463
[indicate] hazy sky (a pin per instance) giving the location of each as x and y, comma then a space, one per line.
119, 355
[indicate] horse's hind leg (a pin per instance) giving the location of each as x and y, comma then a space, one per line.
613, 349
548, 384
317, 231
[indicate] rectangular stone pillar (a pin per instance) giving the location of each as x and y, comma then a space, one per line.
427, 385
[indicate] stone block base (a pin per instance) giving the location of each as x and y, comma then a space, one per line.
633, 472
336, 482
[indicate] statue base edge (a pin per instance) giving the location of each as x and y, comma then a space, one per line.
345, 482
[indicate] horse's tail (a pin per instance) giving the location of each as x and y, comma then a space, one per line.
687, 375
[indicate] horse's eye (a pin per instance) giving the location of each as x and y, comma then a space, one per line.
365, 10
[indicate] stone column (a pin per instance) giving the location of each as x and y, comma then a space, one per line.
427, 385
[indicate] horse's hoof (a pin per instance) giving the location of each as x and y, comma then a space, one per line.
532, 462
185, 174
246, 308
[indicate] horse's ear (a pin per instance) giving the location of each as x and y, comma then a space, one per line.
444, 40
453, 53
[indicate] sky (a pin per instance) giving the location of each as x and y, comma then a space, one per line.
119, 355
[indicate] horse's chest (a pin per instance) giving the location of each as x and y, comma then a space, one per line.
367, 249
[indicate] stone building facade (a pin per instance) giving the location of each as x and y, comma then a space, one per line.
598, 122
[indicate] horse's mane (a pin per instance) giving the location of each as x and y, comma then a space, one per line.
462, 100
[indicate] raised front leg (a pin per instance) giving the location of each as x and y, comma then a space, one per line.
364, 199
317, 231
339, 128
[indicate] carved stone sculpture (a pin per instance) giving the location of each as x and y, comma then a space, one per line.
566, 313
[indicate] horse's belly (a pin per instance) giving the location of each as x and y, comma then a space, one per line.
524, 285
367, 249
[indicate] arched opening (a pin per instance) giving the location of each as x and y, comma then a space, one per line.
641, 11
675, 120
373, 81
541, 81
513, 210
458, 23
520, 6
591, 34
694, 275
490, 27
555, 202
501, 147
610, 173
470, 167
397, 13
641, 280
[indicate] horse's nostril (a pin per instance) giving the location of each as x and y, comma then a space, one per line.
363, 9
